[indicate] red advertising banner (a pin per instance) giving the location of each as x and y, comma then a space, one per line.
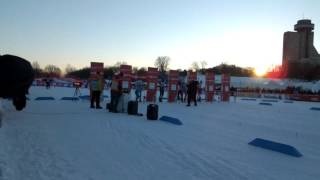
192, 76
96, 69
173, 85
210, 88
126, 70
225, 87
152, 82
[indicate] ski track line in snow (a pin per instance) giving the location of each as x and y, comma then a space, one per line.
32, 158
200, 166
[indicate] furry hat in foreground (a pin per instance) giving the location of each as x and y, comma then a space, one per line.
16, 77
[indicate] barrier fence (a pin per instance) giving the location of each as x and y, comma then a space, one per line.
238, 93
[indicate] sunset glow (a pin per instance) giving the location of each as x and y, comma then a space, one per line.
138, 32
259, 71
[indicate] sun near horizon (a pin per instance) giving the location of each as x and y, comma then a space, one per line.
260, 71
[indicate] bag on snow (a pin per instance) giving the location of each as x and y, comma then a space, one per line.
152, 112
133, 107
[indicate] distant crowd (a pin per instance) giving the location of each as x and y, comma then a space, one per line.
186, 91
289, 90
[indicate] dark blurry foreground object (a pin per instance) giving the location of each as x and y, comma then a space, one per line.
16, 76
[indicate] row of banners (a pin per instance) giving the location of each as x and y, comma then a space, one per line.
173, 83
152, 82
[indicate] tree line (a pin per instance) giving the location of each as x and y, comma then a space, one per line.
162, 63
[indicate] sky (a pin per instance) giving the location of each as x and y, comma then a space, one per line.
246, 33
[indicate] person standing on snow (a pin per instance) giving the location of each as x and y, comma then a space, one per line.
184, 91
116, 91
161, 87
47, 82
139, 87
96, 87
192, 92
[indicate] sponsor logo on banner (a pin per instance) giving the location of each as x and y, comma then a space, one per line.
96, 68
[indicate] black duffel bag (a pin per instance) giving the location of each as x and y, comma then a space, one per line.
133, 107
152, 112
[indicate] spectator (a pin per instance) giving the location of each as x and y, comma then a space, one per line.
116, 91
139, 86
192, 92
96, 87
162, 85
184, 91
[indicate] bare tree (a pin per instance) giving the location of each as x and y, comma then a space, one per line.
52, 69
162, 63
35, 65
135, 70
203, 65
195, 66
36, 68
119, 63
69, 68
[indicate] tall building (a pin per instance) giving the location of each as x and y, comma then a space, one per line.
298, 46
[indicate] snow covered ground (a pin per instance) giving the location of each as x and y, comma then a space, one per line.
62, 140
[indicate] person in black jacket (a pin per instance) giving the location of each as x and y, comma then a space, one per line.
192, 92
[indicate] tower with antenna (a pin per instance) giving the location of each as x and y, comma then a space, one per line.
298, 46
304, 28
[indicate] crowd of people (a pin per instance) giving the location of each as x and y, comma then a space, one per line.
189, 92
186, 92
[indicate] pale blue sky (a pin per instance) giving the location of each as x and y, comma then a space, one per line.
60, 32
